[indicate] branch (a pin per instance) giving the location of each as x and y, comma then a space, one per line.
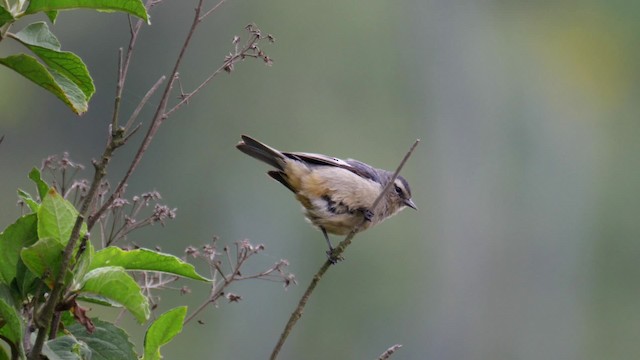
158, 119
46, 315
390, 351
335, 254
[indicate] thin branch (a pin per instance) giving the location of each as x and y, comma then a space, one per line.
118, 97
157, 120
390, 351
143, 102
335, 254
233, 58
212, 9
46, 315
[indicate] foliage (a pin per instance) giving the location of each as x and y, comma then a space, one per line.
50, 262
39, 238
62, 73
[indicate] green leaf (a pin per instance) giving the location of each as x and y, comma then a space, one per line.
49, 79
3, 354
46, 46
42, 186
16, 236
82, 266
5, 16
133, 7
113, 283
163, 330
27, 282
26, 197
66, 348
38, 34
144, 260
13, 327
44, 258
52, 15
56, 218
107, 342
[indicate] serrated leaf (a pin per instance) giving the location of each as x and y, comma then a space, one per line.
133, 7
13, 328
5, 16
113, 283
144, 260
163, 330
16, 236
26, 197
49, 79
56, 218
46, 46
38, 34
42, 186
43, 259
107, 342
66, 347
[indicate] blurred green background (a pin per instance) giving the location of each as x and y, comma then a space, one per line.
526, 245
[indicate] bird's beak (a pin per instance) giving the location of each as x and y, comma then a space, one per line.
410, 204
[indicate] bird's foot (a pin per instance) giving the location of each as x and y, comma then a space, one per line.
368, 214
333, 256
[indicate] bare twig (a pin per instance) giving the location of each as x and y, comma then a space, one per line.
143, 102
244, 250
250, 49
212, 9
157, 120
335, 254
390, 351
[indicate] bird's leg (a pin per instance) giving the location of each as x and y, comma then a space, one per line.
333, 259
326, 237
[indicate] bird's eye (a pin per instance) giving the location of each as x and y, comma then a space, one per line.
398, 190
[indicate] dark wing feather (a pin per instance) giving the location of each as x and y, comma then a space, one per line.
355, 166
282, 179
260, 151
365, 170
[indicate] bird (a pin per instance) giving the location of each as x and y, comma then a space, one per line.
336, 195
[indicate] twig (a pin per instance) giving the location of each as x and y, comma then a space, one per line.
390, 351
46, 315
158, 119
212, 9
335, 254
228, 63
115, 140
143, 102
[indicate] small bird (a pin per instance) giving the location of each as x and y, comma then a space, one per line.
336, 194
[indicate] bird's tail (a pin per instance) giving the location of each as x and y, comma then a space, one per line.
262, 152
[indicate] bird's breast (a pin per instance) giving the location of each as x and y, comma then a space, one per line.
335, 198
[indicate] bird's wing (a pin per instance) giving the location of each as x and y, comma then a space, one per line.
355, 166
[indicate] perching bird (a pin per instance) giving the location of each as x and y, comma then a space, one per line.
336, 194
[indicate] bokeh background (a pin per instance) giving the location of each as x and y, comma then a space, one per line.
526, 245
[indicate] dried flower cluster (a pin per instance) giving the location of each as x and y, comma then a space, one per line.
227, 267
250, 49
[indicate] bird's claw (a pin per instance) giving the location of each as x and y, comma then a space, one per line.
368, 215
333, 257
